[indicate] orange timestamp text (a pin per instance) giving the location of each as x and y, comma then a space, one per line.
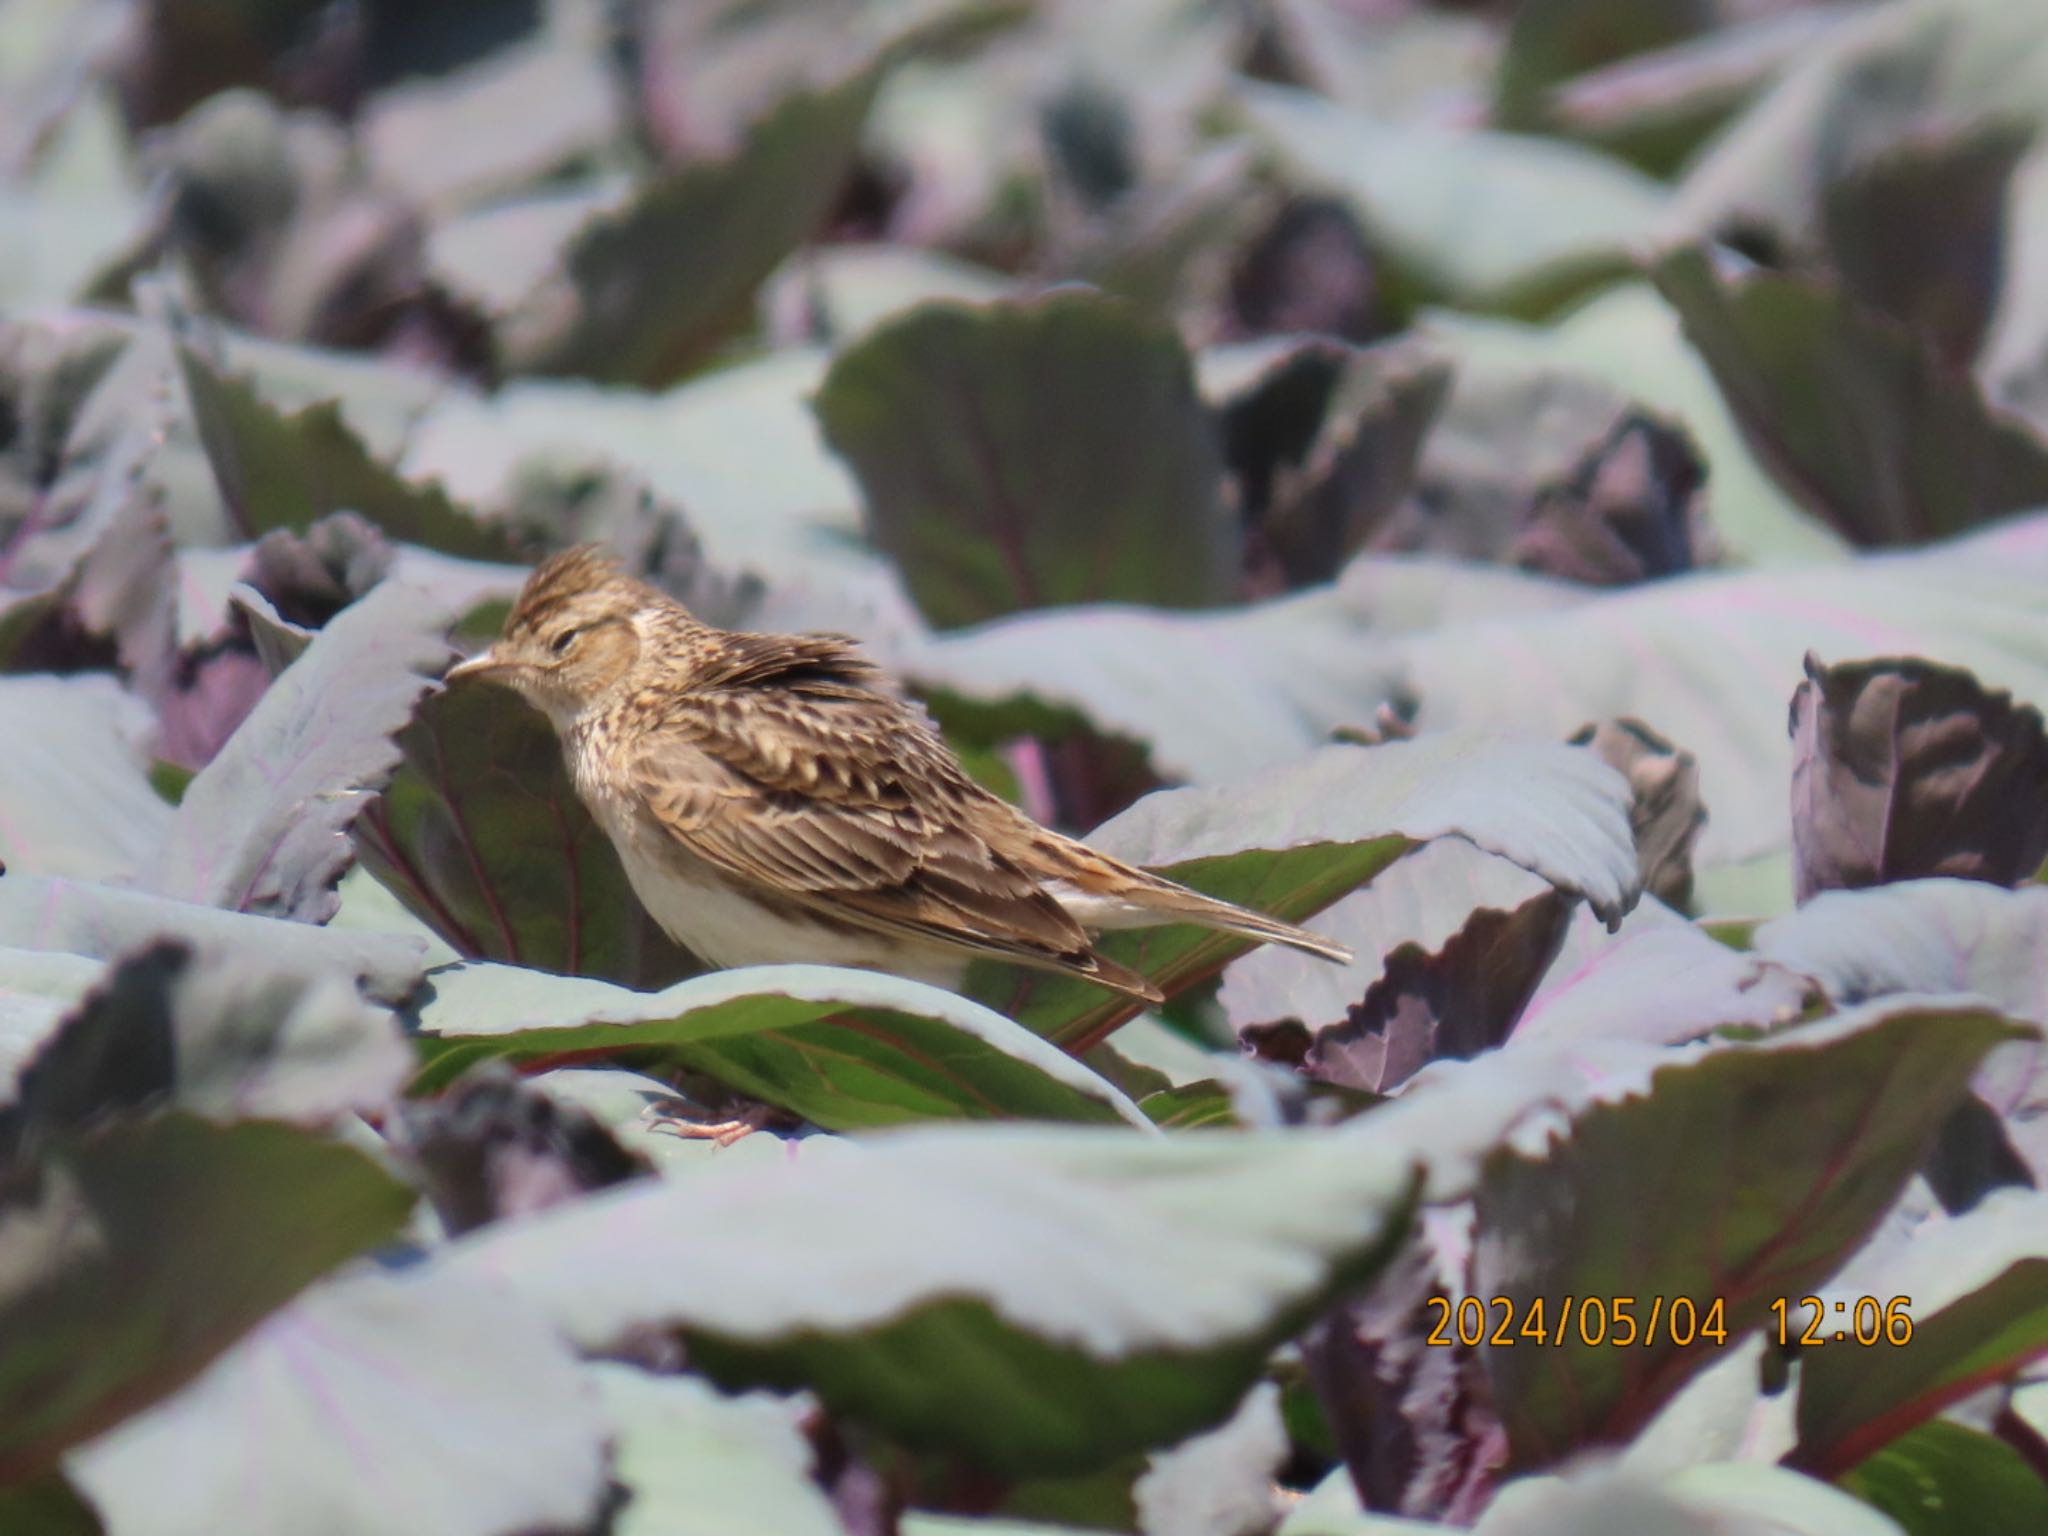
1620, 1321
1865, 1321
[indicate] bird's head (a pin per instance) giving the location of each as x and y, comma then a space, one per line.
572, 637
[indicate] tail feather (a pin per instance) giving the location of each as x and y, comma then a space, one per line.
1227, 917
1099, 968
1142, 900
1101, 893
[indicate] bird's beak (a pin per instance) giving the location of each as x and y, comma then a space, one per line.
483, 664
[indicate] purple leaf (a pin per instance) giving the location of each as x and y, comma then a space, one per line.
1413, 1420
481, 835
1631, 510
1905, 769
1453, 1003
264, 827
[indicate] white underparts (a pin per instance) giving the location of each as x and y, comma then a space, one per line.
716, 921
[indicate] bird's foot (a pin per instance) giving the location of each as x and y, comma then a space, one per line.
694, 1125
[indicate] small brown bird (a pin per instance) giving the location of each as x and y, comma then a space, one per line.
773, 799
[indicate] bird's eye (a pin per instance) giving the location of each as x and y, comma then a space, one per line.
564, 640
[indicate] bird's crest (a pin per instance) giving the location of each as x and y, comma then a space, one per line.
582, 583
568, 574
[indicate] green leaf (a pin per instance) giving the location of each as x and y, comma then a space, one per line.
1850, 411
198, 1231
483, 838
47, 1506
1040, 1302
648, 293
845, 1049
1550, 41
1029, 454
75, 797
169, 780
288, 470
1740, 1177
1976, 1291
1490, 220
412, 1404
382, 400
264, 826
1201, 1104
1945, 1479
1918, 231
105, 922
1294, 840
698, 1463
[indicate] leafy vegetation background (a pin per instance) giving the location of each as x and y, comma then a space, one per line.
1547, 490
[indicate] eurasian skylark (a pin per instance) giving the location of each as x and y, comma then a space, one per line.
773, 798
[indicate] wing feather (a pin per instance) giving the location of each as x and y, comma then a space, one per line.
830, 793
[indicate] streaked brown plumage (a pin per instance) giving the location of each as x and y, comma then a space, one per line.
774, 799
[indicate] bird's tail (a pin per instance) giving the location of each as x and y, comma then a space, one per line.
1176, 901
1103, 893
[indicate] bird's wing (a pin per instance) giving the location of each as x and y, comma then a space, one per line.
828, 793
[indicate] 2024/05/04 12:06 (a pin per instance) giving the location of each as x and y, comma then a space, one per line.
1623, 1321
